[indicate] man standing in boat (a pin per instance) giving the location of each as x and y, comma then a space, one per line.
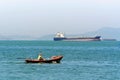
40, 57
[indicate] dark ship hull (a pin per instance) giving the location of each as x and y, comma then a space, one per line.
97, 38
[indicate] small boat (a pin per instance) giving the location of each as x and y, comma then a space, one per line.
54, 59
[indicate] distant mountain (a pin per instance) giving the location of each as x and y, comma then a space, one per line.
105, 33
46, 37
16, 37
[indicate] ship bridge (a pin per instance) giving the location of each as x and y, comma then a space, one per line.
59, 35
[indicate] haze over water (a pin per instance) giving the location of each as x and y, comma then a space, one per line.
82, 60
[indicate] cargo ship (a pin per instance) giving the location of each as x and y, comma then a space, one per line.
60, 37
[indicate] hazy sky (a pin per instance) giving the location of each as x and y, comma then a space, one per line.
41, 17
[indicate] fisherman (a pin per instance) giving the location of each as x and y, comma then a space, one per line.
40, 57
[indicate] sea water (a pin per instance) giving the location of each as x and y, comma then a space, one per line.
81, 61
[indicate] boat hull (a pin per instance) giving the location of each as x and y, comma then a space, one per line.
54, 59
97, 38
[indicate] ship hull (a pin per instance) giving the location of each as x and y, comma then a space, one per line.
97, 38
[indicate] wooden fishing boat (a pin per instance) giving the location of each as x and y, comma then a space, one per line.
54, 59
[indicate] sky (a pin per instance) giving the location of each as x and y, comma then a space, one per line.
43, 17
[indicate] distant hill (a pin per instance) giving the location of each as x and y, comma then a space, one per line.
46, 37
16, 37
105, 33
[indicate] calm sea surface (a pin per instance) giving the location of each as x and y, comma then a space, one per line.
82, 60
